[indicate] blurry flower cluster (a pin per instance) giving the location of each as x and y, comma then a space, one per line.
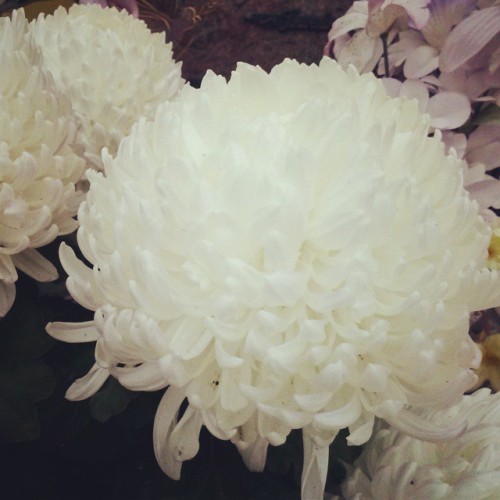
62, 99
39, 164
396, 466
446, 55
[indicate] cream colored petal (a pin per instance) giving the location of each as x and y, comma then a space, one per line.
34, 264
164, 424
7, 296
255, 455
314, 470
88, 385
73, 332
424, 429
146, 377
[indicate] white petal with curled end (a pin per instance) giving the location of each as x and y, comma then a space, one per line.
164, 424
145, 377
73, 332
88, 385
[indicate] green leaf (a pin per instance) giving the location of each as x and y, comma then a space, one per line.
110, 400
488, 116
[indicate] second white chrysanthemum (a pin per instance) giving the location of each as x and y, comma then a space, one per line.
38, 165
398, 467
286, 250
111, 66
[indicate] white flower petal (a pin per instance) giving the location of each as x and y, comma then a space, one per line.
84, 387
73, 332
184, 442
35, 265
419, 428
340, 418
315, 469
7, 296
255, 455
145, 377
165, 422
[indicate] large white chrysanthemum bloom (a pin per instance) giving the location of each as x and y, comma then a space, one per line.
38, 167
286, 250
396, 466
111, 66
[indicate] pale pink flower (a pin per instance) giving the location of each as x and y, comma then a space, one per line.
484, 146
473, 42
369, 19
359, 49
419, 51
483, 155
384, 13
470, 57
447, 110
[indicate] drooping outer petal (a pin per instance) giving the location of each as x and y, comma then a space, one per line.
315, 469
165, 422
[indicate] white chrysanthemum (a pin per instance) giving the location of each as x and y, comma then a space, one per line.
396, 466
111, 66
38, 167
285, 250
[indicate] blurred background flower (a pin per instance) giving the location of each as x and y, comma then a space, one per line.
465, 467
121, 76
38, 163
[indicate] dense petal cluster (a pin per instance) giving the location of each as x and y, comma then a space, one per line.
443, 53
38, 165
111, 66
286, 250
394, 465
